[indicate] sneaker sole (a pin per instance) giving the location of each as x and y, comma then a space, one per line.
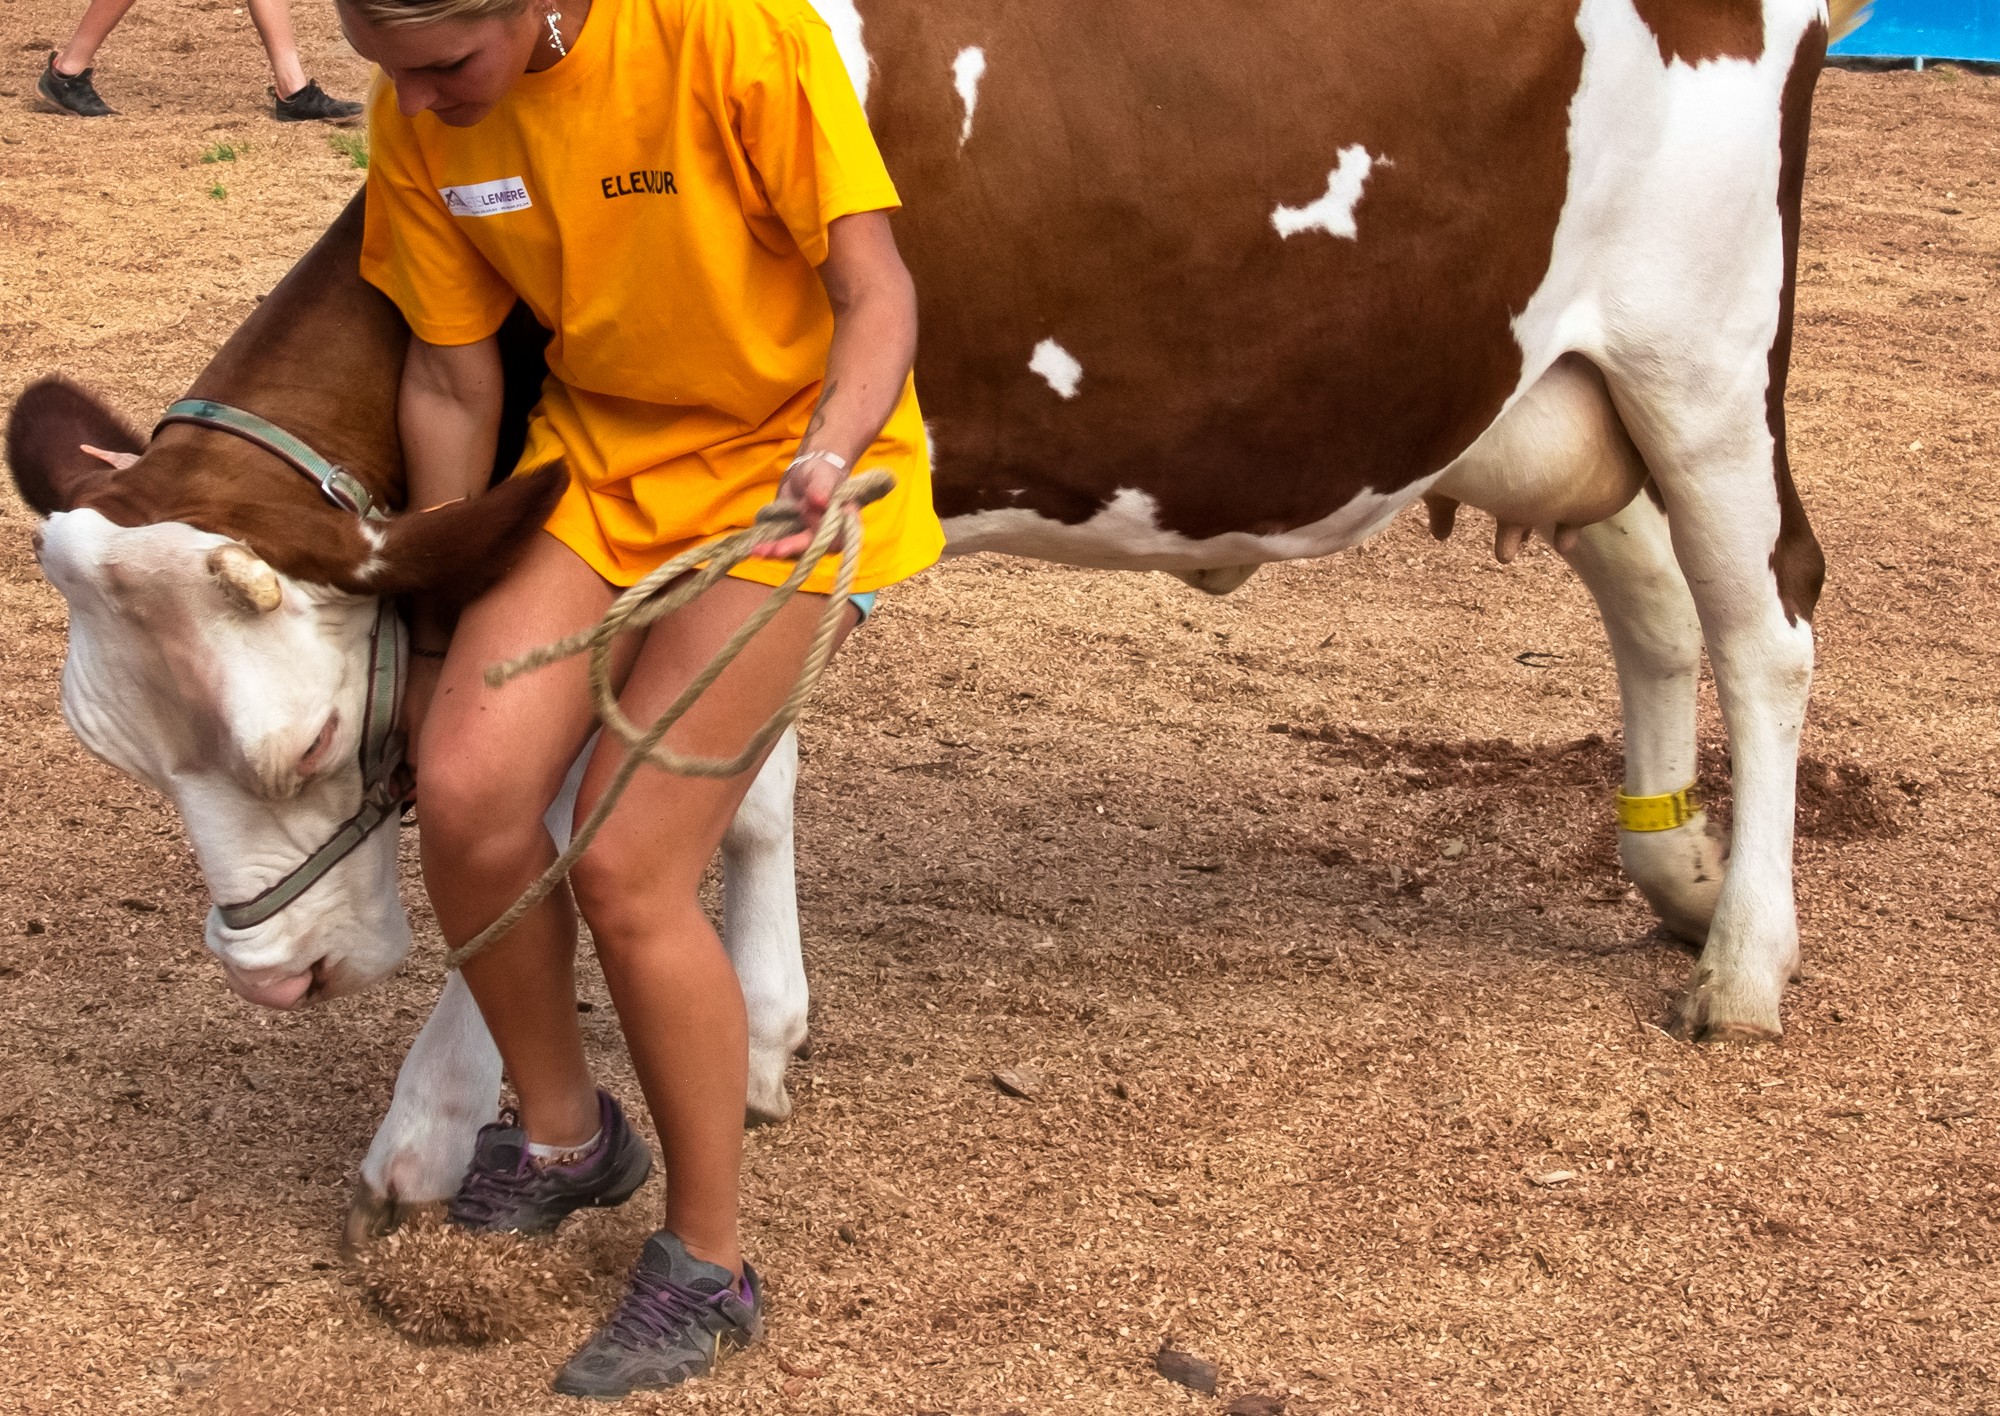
726, 1346
56, 105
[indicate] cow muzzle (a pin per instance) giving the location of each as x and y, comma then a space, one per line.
276, 988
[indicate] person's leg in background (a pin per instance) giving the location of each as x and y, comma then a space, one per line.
294, 97
66, 80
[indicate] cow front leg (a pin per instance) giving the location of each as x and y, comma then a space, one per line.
1628, 564
447, 1089
760, 928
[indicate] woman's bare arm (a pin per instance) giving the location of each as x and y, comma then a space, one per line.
448, 416
874, 345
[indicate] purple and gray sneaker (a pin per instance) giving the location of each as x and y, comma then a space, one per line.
681, 1315
508, 1191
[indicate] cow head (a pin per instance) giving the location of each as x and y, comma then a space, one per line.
238, 690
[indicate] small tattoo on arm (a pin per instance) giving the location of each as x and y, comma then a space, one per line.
819, 411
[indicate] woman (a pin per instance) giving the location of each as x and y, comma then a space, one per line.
686, 193
67, 80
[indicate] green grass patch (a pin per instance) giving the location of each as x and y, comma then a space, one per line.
218, 191
352, 146
222, 152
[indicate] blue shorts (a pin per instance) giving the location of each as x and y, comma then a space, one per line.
864, 603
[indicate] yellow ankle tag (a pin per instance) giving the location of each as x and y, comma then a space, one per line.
1658, 813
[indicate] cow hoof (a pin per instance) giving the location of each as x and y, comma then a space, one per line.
1680, 874
768, 1102
1217, 580
1735, 1035
371, 1217
769, 1109
1709, 1014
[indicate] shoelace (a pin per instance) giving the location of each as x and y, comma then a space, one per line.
657, 1308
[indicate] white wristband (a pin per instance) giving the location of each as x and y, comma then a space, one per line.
803, 458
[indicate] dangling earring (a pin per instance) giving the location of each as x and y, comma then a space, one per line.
555, 34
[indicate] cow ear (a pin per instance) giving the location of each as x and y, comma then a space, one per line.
458, 550
51, 422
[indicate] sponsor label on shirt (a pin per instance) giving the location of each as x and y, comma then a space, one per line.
487, 198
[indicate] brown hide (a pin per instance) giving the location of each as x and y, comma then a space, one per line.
1693, 31
50, 425
1116, 195
321, 357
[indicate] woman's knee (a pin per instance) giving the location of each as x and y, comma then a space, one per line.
472, 808
627, 893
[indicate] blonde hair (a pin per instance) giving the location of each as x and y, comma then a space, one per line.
391, 14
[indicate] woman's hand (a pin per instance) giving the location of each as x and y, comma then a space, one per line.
808, 486
874, 344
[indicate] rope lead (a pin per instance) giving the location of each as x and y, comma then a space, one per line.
654, 598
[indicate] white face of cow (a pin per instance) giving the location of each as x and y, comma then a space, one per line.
249, 719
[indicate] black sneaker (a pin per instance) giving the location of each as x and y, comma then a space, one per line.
73, 93
679, 1318
313, 104
505, 1191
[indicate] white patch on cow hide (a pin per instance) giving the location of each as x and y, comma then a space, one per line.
1334, 212
966, 72
1058, 366
845, 21
1126, 534
376, 536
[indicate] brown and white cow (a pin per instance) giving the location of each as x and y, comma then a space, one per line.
1200, 289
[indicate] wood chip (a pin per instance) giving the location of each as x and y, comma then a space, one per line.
1194, 1373
1020, 1082
1256, 1403
1550, 1178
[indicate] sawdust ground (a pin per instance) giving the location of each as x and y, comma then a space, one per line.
1301, 1065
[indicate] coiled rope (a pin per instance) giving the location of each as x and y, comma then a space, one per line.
657, 596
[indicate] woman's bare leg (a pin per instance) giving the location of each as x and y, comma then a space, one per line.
100, 17
676, 993
489, 763
273, 19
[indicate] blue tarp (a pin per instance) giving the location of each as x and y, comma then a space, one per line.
1928, 29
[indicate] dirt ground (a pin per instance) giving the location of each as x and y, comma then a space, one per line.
1187, 858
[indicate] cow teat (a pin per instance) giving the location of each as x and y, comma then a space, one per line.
245, 578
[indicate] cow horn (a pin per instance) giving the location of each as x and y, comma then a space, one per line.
244, 577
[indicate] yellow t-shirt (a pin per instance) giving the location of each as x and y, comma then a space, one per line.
660, 198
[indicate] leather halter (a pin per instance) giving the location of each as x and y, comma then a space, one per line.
385, 786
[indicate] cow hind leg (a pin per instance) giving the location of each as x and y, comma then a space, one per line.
760, 928
1627, 562
1752, 567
